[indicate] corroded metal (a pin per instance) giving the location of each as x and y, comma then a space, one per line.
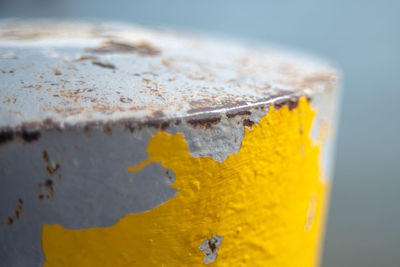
68, 74
81, 101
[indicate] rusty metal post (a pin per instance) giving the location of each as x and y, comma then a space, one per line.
128, 146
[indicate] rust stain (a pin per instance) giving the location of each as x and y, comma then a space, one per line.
239, 113
125, 100
104, 64
157, 119
49, 187
18, 210
83, 58
169, 175
204, 123
248, 123
48, 192
143, 48
17, 213
7, 135
210, 248
46, 189
107, 129
151, 122
51, 167
56, 72
291, 103
161, 125
28, 136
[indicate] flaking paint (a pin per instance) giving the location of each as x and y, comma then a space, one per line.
266, 201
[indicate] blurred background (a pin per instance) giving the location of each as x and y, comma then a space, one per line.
363, 38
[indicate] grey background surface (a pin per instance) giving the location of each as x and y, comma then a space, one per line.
363, 38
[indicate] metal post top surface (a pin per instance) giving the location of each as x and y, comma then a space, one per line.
73, 73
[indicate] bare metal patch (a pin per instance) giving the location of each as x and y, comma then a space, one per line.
210, 248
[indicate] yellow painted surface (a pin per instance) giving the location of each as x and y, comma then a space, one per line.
266, 201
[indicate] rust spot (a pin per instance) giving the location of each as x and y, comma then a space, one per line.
125, 100
143, 48
169, 175
158, 125
290, 103
239, 113
49, 185
293, 104
210, 248
86, 129
17, 212
6, 136
204, 123
107, 129
83, 58
103, 64
130, 127
30, 136
45, 156
56, 72
248, 123
49, 123
51, 167
212, 244
262, 108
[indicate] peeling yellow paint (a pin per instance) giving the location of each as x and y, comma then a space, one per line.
266, 202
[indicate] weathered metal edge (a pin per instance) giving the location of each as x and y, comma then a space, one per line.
31, 131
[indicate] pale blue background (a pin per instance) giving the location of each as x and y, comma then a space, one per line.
362, 37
